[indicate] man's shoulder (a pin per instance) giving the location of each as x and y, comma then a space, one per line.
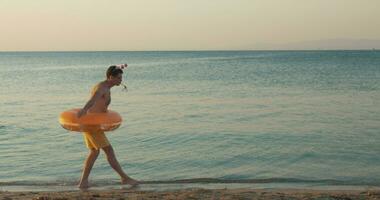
101, 87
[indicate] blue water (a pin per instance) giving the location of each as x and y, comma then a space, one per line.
240, 116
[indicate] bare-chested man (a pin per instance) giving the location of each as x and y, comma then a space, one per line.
98, 103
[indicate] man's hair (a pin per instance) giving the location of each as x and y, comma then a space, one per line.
113, 71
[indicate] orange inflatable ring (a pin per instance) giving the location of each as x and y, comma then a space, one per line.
108, 121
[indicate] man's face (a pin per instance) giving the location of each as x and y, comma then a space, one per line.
116, 80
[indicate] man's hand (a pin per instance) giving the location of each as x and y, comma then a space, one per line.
81, 113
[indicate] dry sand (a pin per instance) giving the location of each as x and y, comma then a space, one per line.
264, 194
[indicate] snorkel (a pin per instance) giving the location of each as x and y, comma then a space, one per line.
122, 66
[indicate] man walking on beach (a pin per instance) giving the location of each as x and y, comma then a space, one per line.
98, 103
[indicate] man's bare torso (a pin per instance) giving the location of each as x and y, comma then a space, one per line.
101, 105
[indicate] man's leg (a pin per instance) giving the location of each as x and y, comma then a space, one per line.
91, 158
108, 150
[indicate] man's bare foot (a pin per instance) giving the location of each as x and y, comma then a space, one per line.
83, 185
129, 181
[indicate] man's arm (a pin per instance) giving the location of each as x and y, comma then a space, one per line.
99, 92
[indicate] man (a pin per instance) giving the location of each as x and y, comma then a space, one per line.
98, 103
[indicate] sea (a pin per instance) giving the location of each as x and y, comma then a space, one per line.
258, 119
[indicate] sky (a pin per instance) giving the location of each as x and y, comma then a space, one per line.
129, 25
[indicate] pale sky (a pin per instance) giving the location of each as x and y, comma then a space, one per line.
106, 25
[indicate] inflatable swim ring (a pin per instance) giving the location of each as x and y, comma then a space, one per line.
108, 121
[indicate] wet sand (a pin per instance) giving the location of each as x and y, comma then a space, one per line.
225, 194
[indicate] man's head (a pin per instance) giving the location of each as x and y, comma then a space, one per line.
114, 74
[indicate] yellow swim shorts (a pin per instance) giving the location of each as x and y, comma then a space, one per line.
95, 140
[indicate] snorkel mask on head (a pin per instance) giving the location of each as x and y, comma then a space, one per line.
122, 66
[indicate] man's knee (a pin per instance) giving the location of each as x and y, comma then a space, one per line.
108, 150
94, 152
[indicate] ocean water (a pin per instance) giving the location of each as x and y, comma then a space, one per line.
280, 117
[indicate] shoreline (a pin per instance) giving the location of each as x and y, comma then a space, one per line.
195, 193
183, 185
192, 191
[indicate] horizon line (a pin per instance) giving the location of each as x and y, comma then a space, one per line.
205, 50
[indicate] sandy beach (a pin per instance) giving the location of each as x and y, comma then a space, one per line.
196, 194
